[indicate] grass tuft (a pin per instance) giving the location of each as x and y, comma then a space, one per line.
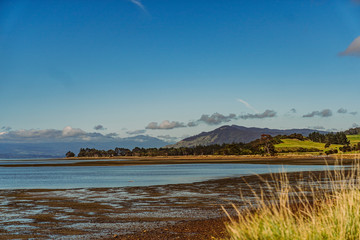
327, 208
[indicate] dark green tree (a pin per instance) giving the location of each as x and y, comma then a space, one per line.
70, 154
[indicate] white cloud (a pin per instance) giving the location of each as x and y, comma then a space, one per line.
139, 4
71, 132
353, 49
247, 105
166, 124
51, 135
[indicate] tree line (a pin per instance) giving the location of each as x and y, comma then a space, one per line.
353, 131
265, 145
329, 138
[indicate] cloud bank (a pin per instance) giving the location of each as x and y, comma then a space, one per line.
293, 110
323, 113
266, 114
136, 132
353, 49
317, 127
5, 128
342, 111
52, 135
165, 125
216, 118
168, 138
99, 127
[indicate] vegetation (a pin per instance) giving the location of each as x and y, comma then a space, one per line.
329, 138
264, 145
303, 211
353, 131
295, 145
267, 145
70, 154
354, 138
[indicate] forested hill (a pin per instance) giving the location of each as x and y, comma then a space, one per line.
353, 131
235, 134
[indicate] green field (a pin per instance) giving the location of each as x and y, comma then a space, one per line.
353, 138
295, 143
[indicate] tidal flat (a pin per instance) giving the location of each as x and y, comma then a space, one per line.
171, 211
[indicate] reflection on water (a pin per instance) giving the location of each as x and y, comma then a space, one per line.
120, 176
52, 161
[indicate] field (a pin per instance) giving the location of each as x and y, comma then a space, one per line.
354, 139
295, 143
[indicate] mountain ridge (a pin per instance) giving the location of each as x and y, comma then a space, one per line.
10, 150
235, 134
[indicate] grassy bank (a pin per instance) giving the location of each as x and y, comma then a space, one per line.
297, 146
323, 209
307, 144
353, 138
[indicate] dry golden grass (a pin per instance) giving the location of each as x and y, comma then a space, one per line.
323, 209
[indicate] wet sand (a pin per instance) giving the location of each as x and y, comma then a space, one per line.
177, 211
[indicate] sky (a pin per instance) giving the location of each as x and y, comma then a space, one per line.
172, 69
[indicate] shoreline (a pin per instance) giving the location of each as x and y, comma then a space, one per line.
184, 211
208, 159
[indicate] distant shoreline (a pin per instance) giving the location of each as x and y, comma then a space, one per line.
208, 159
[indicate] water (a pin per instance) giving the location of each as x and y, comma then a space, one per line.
120, 176
51, 161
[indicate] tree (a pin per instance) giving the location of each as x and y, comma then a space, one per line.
70, 154
268, 146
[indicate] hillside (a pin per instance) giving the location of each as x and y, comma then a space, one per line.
235, 134
354, 139
295, 145
290, 145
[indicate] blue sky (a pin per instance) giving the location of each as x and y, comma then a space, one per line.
153, 67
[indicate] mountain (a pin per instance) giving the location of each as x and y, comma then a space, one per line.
235, 134
58, 149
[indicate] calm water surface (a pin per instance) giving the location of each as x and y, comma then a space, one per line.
120, 176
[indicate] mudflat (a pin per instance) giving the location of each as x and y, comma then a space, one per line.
174, 211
